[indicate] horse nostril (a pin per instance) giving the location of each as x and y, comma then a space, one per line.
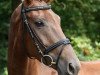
70, 69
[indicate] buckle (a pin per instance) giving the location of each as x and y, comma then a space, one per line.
47, 60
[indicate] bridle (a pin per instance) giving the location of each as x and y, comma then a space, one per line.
39, 44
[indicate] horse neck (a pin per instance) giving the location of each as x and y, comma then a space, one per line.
17, 59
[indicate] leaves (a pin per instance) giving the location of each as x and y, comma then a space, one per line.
5, 12
81, 22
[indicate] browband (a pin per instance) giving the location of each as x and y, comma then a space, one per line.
35, 8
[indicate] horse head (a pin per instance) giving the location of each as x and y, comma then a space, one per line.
44, 39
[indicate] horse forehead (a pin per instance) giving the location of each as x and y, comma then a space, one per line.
45, 14
37, 3
48, 14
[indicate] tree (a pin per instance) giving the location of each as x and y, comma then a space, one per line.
81, 22
5, 11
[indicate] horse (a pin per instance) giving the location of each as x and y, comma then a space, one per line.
41, 69
89, 68
35, 33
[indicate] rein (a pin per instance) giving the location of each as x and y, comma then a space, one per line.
39, 44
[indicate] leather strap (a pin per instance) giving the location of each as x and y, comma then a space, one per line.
55, 45
35, 8
35, 37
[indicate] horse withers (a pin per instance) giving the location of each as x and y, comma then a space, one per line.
35, 33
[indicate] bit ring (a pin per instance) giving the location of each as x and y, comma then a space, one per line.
51, 60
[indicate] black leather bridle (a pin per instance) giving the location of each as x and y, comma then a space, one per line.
39, 44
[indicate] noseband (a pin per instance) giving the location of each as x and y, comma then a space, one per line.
39, 44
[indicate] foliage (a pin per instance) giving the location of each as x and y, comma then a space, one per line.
80, 22
4, 24
84, 49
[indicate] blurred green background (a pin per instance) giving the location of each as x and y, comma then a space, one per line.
80, 20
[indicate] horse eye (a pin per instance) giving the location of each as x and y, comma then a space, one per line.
39, 24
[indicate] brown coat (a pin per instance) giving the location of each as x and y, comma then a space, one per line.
41, 69
90, 68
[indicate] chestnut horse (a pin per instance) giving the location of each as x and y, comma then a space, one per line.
35, 33
89, 68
